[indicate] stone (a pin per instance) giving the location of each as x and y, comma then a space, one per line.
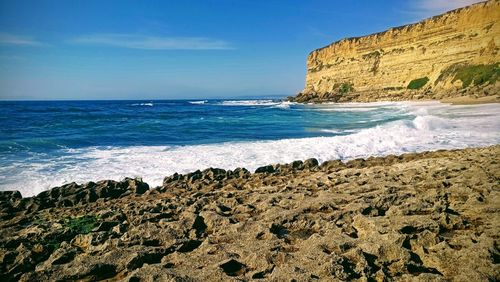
311, 163
265, 169
233, 267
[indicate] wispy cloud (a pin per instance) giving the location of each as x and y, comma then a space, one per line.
133, 41
11, 39
426, 8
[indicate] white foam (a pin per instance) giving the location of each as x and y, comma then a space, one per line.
435, 126
337, 131
367, 107
284, 105
349, 109
331, 130
250, 103
143, 104
198, 102
257, 103
371, 104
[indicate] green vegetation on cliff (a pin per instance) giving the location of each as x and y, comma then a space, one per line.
418, 83
477, 74
345, 88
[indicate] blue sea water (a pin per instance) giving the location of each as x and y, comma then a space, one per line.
49, 143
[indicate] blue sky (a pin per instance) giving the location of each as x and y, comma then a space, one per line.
179, 49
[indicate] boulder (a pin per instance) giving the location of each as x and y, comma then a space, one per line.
73, 194
265, 169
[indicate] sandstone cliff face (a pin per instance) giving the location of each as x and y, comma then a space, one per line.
430, 53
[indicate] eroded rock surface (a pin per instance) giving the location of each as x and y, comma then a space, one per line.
417, 217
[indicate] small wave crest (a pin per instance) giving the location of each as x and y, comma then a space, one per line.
143, 104
249, 103
198, 102
256, 103
284, 105
338, 131
349, 109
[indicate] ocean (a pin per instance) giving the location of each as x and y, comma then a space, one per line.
48, 143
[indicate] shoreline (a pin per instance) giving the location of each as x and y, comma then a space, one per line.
468, 100
368, 218
460, 100
374, 129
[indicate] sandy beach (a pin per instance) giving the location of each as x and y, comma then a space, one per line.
468, 100
419, 217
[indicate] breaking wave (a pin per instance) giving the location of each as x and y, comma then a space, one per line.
432, 127
143, 104
198, 102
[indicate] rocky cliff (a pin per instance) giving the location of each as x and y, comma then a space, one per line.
453, 54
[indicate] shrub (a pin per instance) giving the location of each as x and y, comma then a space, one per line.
345, 88
418, 83
477, 74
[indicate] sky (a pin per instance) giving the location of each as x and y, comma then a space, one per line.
189, 49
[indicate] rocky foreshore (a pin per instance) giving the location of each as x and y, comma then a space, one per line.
432, 216
471, 95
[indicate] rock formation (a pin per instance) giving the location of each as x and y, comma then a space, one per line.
416, 217
453, 54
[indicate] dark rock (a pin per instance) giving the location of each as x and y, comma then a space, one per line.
297, 165
199, 225
233, 267
73, 194
105, 226
95, 271
149, 257
332, 165
311, 163
173, 178
214, 174
62, 255
8, 202
193, 176
22, 263
265, 169
9, 196
241, 172
137, 186
119, 229
157, 272
189, 246
278, 230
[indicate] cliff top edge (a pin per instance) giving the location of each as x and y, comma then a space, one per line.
411, 25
